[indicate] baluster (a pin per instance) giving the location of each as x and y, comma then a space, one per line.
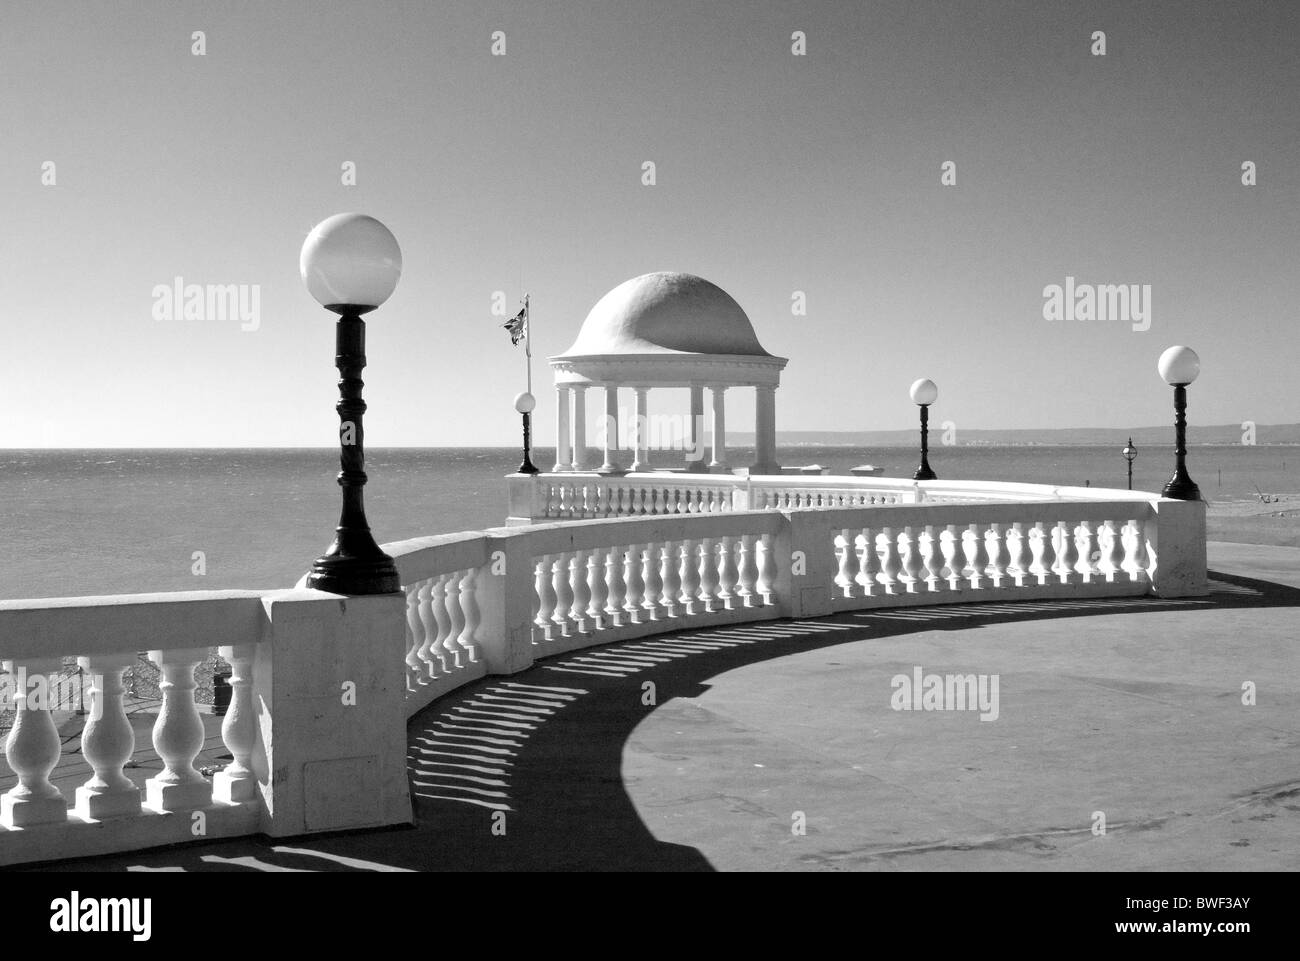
950, 543
995, 541
1135, 558
638, 505
652, 583
690, 577
563, 593
912, 566
1068, 556
728, 574
617, 593
891, 563
767, 572
236, 783
977, 556
1148, 547
430, 666
415, 672
747, 589
1112, 551
933, 557
870, 566
598, 589
456, 615
846, 551
670, 578
178, 735
1088, 545
1022, 558
32, 750
107, 741
446, 662
580, 578
708, 575
1046, 552
659, 501
546, 597
635, 583
469, 608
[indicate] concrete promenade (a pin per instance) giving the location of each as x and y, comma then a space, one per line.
1131, 708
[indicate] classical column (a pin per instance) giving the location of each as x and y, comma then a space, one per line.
719, 426
695, 451
611, 429
579, 426
641, 443
562, 455
765, 431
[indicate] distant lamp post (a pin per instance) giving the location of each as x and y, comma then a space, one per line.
351, 263
1179, 367
924, 393
1130, 452
525, 403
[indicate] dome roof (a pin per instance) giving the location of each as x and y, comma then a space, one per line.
666, 313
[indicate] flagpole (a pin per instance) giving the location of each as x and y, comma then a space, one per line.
528, 343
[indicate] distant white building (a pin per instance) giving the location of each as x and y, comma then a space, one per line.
664, 330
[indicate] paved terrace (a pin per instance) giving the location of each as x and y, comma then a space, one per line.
1131, 707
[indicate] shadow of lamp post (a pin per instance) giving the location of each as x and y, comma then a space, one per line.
351, 263
1179, 366
524, 404
924, 393
1130, 452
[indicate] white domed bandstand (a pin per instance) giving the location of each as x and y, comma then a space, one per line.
665, 330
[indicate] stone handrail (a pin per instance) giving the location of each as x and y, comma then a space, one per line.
324, 685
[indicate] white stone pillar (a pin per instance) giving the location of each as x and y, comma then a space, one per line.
641, 444
611, 429
765, 431
579, 427
562, 455
719, 462
695, 433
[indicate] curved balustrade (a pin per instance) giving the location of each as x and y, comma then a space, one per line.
573, 496
323, 684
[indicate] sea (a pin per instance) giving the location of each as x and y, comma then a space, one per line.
91, 522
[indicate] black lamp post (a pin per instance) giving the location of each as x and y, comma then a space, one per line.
1130, 452
524, 404
1179, 366
351, 264
924, 393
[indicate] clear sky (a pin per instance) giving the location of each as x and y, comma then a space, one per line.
775, 173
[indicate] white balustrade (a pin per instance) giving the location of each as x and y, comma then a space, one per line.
493, 601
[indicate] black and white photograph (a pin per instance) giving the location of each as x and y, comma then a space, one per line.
642, 436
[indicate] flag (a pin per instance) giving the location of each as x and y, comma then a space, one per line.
518, 325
